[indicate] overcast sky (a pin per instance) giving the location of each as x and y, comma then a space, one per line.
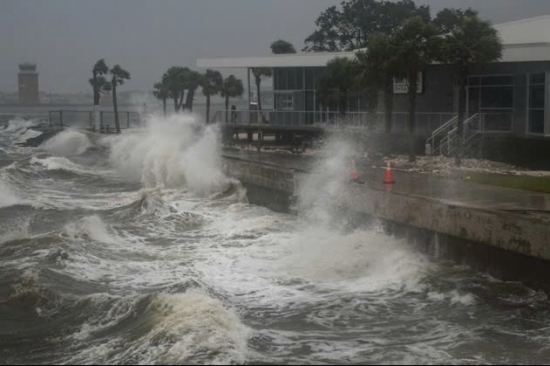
66, 37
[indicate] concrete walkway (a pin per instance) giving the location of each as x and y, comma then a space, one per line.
449, 191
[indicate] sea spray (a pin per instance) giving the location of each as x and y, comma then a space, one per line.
173, 152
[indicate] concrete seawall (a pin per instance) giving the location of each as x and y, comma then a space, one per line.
508, 246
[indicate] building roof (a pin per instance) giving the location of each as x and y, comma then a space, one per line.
314, 59
523, 40
525, 31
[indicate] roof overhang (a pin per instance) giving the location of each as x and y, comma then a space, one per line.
292, 60
510, 53
526, 52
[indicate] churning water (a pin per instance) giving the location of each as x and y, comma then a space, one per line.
137, 249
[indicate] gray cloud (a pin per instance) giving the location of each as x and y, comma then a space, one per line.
66, 37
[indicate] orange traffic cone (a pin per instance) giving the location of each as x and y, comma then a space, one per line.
389, 175
354, 173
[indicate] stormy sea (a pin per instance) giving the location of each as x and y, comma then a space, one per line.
137, 249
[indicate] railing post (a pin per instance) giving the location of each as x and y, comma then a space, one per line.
128, 118
100, 121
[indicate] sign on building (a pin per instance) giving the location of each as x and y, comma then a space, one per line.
402, 86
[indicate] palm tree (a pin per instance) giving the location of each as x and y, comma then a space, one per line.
174, 79
192, 81
379, 68
118, 75
338, 82
98, 83
231, 88
415, 44
259, 73
212, 84
466, 40
162, 92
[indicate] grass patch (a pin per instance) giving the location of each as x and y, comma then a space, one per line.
527, 183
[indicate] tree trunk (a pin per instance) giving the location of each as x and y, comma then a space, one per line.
388, 106
226, 108
180, 103
413, 83
258, 83
208, 109
96, 90
164, 106
117, 122
460, 121
189, 100
343, 108
258, 88
176, 104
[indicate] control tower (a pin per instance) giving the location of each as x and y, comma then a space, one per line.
28, 84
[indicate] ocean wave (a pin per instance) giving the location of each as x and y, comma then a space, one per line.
166, 329
18, 126
67, 143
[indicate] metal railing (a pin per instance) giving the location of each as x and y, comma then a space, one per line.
474, 128
85, 119
425, 123
471, 129
440, 133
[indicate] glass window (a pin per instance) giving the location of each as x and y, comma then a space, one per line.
299, 79
473, 101
276, 79
309, 101
310, 76
536, 103
536, 121
497, 80
473, 80
284, 101
537, 79
497, 97
291, 79
536, 96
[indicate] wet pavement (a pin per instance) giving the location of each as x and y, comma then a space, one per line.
451, 191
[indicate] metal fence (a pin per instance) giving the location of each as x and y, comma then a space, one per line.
85, 119
425, 123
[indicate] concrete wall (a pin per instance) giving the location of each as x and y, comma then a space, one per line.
442, 229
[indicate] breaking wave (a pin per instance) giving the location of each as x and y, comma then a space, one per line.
67, 143
167, 329
174, 152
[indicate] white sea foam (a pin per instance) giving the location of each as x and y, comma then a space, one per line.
90, 227
58, 163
